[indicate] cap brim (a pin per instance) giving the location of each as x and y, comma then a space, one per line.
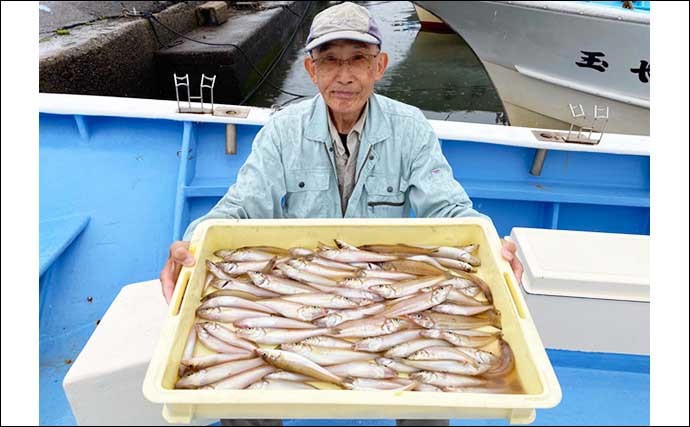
342, 35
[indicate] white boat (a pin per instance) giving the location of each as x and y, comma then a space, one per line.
545, 56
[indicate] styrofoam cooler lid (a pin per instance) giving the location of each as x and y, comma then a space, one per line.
584, 264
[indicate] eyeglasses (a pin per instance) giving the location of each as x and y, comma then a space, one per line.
360, 62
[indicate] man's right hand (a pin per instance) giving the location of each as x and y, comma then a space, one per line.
179, 256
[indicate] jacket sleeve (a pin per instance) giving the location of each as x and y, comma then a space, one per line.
260, 184
434, 192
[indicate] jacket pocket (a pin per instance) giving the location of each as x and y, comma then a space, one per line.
385, 195
308, 193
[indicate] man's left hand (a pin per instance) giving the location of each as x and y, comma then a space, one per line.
508, 252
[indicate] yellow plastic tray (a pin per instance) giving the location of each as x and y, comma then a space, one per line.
532, 365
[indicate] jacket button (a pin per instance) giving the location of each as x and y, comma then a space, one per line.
301, 184
330, 148
389, 189
371, 157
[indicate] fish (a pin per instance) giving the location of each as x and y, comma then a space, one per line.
364, 283
213, 343
332, 264
243, 255
462, 338
449, 366
298, 252
321, 270
218, 372
384, 342
288, 376
241, 380
406, 287
486, 289
326, 356
407, 348
433, 320
442, 353
399, 248
353, 294
279, 285
362, 370
385, 274
224, 334
281, 336
443, 379
418, 268
457, 254
372, 384
273, 322
280, 385
396, 365
462, 310
371, 327
297, 363
455, 264
228, 314
350, 255
216, 270
234, 269
344, 245
241, 286
188, 349
505, 363
201, 362
322, 341
295, 310
233, 301
306, 277
321, 299
418, 303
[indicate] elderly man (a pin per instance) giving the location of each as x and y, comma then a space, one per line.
346, 153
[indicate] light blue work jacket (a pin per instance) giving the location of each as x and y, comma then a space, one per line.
290, 172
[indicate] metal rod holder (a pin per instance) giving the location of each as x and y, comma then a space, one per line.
184, 81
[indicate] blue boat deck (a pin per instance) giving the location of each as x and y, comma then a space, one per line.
116, 191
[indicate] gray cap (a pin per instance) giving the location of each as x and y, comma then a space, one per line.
347, 21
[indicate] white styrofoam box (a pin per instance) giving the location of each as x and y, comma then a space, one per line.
104, 384
587, 291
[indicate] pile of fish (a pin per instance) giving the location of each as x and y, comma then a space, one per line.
374, 317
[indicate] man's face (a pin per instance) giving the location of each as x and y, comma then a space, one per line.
345, 72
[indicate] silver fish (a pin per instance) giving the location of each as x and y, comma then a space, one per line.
321, 270
371, 384
242, 286
426, 387
213, 343
385, 274
305, 276
430, 319
217, 373
460, 298
241, 380
300, 252
371, 327
448, 366
230, 337
233, 301
234, 269
505, 363
442, 353
322, 341
455, 264
407, 348
349, 255
217, 271
364, 283
326, 356
281, 336
344, 245
279, 285
461, 338
441, 379
418, 303
294, 362
396, 365
280, 385
353, 294
333, 264
362, 370
273, 322
384, 342
321, 299
228, 314
295, 310
462, 310
406, 287
288, 376
243, 255
188, 349
201, 362
457, 254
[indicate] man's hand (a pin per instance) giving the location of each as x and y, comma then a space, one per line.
508, 252
179, 256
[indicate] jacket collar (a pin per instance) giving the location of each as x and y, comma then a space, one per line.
376, 128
